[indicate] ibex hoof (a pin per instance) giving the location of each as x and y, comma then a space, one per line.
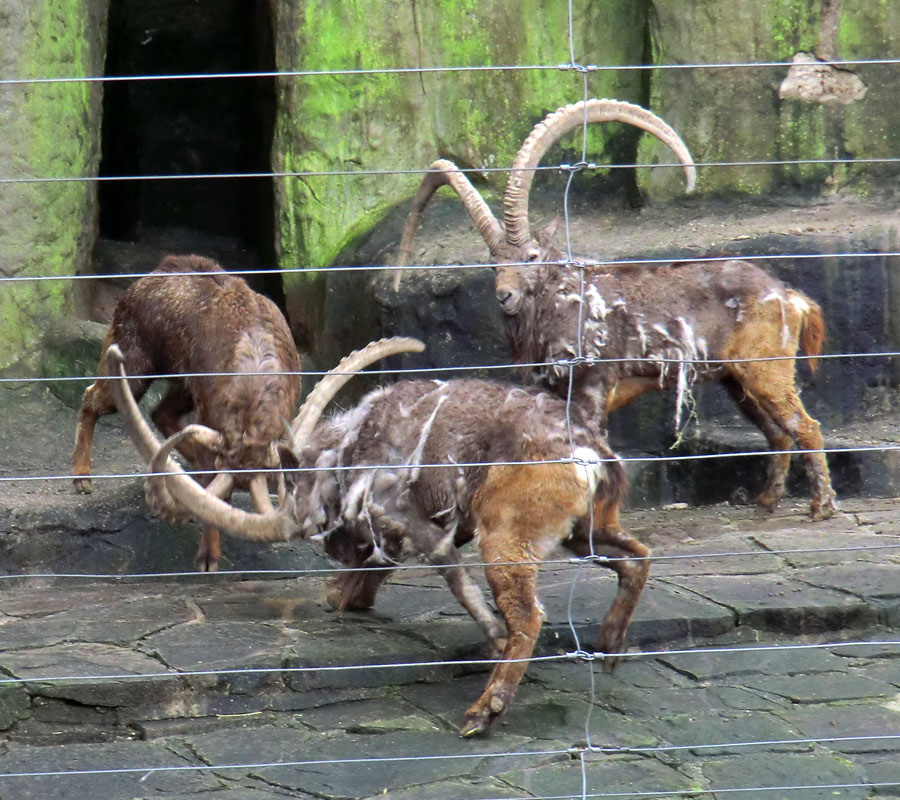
475, 725
611, 642
488, 707
206, 563
769, 501
83, 485
824, 510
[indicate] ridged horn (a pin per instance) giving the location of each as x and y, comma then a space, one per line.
334, 380
445, 173
558, 124
185, 490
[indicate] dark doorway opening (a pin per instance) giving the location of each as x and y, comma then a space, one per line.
216, 126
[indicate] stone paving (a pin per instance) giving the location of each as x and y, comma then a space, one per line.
765, 654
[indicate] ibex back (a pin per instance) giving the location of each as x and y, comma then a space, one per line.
646, 327
433, 465
175, 323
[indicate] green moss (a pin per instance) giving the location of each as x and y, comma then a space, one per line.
403, 121
795, 26
54, 125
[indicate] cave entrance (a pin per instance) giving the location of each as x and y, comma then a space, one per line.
217, 126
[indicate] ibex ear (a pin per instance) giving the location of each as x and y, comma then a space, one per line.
289, 462
546, 234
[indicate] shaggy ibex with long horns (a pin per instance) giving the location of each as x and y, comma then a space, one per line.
433, 465
174, 323
658, 326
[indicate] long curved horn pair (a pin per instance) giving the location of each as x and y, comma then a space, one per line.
552, 128
515, 200
263, 527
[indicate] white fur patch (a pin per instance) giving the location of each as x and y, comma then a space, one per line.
799, 303
591, 470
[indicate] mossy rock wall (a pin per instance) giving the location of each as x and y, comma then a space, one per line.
739, 114
50, 130
403, 121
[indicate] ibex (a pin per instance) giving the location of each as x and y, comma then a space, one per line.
433, 465
657, 326
173, 323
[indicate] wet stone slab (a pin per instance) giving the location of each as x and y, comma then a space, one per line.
133, 771
803, 547
733, 554
214, 645
665, 613
718, 733
868, 581
822, 688
615, 774
355, 656
780, 603
373, 764
119, 622
70, 672
814, 776
747, 660
873, 727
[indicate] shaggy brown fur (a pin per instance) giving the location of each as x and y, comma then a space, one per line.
171, 323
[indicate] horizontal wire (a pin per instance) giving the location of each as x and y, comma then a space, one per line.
674, 748
591, 264
148, 771
511, 366
456, 465
572, 561
421, 171
446, 69
575, 655
206, 673
272, 764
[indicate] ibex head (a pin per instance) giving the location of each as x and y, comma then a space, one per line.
514, 249
172, 486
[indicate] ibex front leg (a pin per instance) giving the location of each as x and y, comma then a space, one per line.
514, 590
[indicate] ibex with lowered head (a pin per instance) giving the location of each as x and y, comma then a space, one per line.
241, 377
433, 465
658, 326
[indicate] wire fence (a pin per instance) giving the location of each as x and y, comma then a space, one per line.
578, 754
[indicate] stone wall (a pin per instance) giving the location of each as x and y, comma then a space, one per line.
809, 112
366, 122
405, 120
50, 130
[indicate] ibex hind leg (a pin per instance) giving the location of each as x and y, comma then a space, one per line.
771, 384
98, 401
779, 441
630, 561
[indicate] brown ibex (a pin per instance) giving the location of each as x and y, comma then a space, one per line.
174, 323
658, 326
433, 465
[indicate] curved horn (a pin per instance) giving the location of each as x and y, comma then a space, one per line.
159, 497
186, 491
557, 125
446, 173
331, 384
